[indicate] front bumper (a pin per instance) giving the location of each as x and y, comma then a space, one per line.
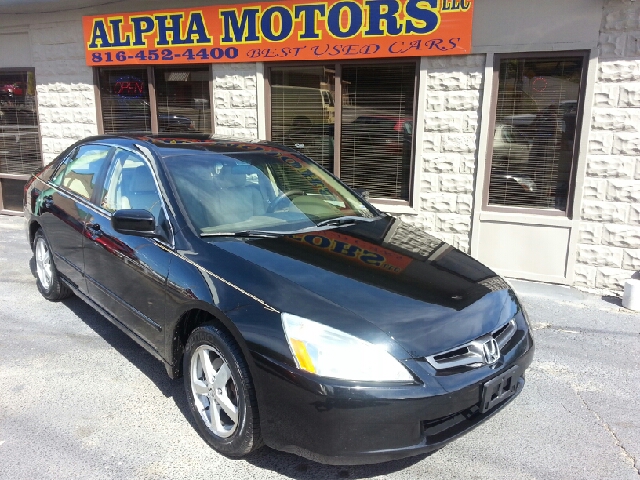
348, 425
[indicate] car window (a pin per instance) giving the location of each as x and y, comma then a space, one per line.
81, 172
255, 190
129, 184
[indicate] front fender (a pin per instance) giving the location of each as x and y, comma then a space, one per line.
191, 288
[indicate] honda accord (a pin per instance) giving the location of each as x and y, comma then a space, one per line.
299, 315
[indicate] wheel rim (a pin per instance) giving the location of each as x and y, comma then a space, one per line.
44, 267
214, 391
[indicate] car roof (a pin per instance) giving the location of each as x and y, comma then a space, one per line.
168, 145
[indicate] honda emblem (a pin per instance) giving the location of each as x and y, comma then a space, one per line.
491, 351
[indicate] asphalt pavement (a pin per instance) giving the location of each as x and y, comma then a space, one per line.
79, 399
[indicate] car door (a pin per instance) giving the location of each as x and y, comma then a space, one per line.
126, 274
65, 206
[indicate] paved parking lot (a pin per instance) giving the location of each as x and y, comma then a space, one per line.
79, 399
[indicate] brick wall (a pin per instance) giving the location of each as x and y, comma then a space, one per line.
449, 149
234, 93
609, 243
66, 101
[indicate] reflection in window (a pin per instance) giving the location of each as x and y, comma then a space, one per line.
377, 128
376, 123
19, 143
303, 111
533, 145
124, 97
81, 173
129, 184
182, 96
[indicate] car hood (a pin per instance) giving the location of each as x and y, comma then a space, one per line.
420, 291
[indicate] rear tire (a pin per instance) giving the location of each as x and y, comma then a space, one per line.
220, 392
48, 279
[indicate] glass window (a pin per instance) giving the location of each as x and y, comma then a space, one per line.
82, 171
249, 191
303, 112
20, 153
19, 142
535, 132
376, 123
130, 184
124, 98
377, 119
182, 96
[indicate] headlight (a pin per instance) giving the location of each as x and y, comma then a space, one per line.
328, 352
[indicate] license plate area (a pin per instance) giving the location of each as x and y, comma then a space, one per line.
500, 388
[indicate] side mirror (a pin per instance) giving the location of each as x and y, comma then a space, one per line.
134, 222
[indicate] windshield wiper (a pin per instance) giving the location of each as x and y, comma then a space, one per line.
347, 220
244, 234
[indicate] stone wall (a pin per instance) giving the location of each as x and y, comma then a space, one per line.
449, 148
609, 243
66, 100
235, 105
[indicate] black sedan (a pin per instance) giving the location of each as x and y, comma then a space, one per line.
299, 315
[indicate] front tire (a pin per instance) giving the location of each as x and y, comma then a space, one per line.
48, 279
220, 392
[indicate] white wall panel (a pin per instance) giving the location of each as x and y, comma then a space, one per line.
517, 25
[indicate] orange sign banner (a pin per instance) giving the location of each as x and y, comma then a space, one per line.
283, 31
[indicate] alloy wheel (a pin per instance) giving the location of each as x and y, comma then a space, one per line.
214, 391
44, 268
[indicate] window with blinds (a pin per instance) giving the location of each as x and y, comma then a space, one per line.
303, 110
376, 121
124, 99
377, 128
535, 132
183, 100
20, 153
19, 141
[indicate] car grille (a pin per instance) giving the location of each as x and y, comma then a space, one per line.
472, 354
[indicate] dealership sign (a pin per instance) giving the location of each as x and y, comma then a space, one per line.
281, 31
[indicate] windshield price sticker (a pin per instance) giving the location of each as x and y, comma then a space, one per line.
337, 29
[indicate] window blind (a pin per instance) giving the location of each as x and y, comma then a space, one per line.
535, 132
124, 98
19, 140
376, 123
182, 98
377, 128
303, 110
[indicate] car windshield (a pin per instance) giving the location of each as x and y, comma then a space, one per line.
260, 191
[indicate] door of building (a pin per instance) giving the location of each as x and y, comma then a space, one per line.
525, 224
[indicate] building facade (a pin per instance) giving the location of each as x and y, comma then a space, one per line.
523, 150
